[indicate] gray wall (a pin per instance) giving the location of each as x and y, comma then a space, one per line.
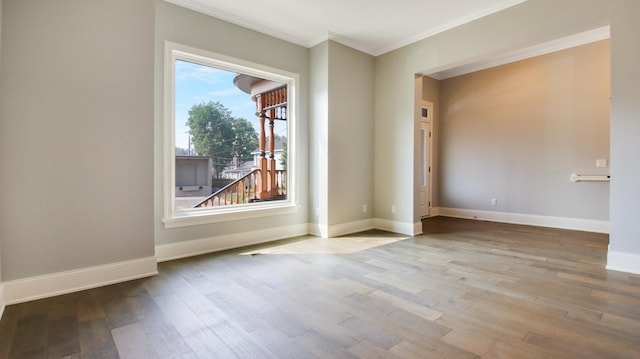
516, 132
1, 300
342, 135
532, 22
76, 145
350, 141
625, 129
179, 25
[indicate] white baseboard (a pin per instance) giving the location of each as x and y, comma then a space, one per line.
578, 224
409, 229
417, 228
342, 229
49, 285
623, 262
177, 250
319, 230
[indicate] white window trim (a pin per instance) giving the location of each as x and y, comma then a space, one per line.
196, 216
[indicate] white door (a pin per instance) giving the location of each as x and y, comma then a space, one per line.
425, 159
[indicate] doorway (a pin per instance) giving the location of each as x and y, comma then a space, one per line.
426, 122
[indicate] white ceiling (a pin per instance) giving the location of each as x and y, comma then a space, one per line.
371, 26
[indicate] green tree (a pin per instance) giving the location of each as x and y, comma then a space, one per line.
217, 134
246, 139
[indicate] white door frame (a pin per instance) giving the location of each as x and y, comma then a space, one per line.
426, 159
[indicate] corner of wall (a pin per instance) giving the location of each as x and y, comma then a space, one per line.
1, 284
623, 262
2, 305
319, 230
409, 229
344, 229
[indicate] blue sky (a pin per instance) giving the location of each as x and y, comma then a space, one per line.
196, 84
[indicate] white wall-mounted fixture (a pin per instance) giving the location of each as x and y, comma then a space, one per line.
589, 178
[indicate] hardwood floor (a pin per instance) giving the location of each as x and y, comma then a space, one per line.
464, 289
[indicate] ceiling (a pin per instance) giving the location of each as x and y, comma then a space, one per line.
371, 26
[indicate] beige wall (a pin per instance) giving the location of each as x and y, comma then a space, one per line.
516, 132
76, 139
487, 38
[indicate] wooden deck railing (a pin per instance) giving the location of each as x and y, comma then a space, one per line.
244, 190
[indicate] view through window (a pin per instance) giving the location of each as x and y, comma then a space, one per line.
230, 137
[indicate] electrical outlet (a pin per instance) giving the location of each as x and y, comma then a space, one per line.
393, 209
364, 208
494, 201
601, 163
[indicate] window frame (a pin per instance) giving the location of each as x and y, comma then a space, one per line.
196, 216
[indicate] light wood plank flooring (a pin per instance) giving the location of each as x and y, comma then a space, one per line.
464, 289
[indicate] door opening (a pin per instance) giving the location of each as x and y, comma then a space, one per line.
425, 158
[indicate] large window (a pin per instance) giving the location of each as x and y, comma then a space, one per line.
229, 138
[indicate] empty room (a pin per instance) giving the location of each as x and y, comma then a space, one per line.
300, 179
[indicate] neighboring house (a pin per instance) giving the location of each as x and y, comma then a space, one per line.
193, 176
237, 170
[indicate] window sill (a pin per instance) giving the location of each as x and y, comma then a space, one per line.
218, 215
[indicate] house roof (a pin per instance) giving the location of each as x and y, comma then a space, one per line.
245, 166
278, 145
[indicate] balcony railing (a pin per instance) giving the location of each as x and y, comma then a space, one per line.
246, 189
